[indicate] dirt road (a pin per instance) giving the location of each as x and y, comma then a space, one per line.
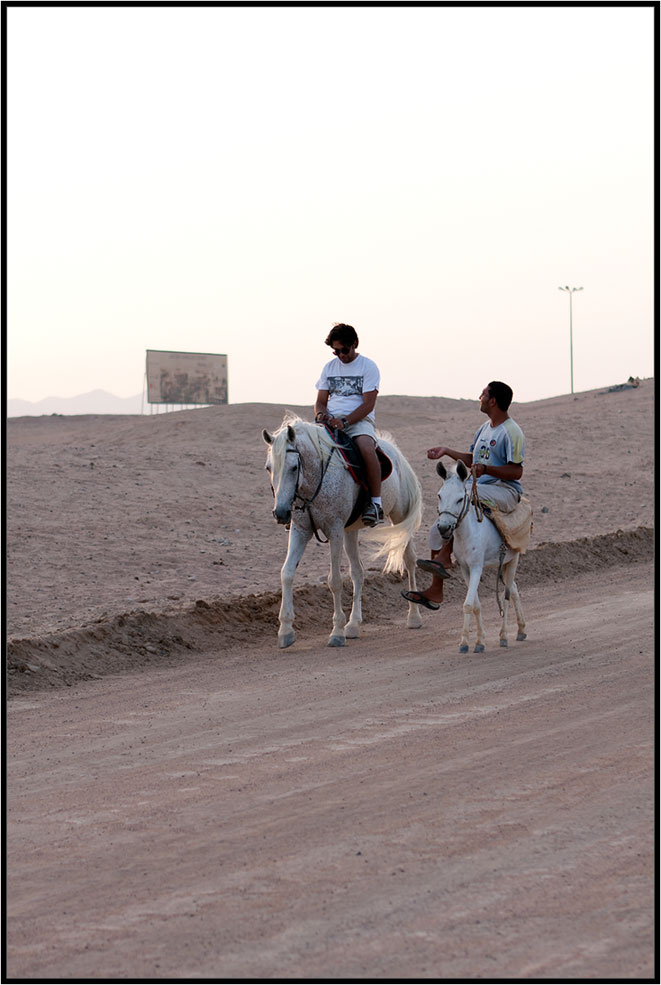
389, 810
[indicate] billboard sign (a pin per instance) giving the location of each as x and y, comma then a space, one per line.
186, 377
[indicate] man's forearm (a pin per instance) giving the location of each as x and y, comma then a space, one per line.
459, 456
508, 473
320, 409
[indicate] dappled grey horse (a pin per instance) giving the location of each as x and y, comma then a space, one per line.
314, 491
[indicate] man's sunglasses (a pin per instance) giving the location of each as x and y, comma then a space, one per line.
342, 351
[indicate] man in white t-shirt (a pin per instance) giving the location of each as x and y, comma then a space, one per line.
346, 394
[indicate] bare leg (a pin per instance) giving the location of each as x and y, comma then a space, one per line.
435, 591
445, 554
367, 449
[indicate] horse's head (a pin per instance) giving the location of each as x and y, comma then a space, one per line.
452, 498
283, 462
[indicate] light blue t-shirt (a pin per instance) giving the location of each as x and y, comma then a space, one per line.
499, 446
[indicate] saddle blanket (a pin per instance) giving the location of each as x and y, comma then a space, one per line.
516, 527
353, 460
353, 463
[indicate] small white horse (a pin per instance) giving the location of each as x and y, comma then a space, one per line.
477, 545
314, 491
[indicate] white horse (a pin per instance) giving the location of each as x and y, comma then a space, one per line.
314, 491
477, 545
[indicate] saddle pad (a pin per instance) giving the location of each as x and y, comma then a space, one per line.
353, 460
516, 527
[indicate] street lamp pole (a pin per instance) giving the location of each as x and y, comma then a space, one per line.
570, 291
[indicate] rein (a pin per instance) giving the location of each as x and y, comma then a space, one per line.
305, 503
475, 500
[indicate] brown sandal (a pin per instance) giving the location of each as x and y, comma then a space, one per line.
433, 567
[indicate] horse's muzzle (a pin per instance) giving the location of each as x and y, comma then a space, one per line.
282, 516
446, 530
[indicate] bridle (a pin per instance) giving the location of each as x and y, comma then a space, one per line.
306, 502
472, 498
458, 517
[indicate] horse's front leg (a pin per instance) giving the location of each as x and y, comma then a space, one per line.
352, 629
337, 637
472, 608
297, 542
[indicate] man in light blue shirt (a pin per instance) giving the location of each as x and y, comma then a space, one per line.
495, 458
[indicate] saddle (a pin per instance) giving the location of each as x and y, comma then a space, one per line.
516, 527
353, 463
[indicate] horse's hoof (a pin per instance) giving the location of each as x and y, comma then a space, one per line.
479, 648
522, 636
351, 632
503, 642
336, 641
463, 648
413, 623
286, 640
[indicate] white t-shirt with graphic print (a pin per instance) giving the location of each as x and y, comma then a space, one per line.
347, 382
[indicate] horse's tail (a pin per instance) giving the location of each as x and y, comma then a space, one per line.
395, 538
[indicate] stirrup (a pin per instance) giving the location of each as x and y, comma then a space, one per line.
372, 515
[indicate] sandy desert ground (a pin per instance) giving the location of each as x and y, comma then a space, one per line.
186, 800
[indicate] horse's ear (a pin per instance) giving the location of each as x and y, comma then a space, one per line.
462, 471
267, 437
291, 434
440, 468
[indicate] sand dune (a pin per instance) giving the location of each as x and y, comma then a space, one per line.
147, 516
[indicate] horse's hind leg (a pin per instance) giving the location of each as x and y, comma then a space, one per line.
352, 628
413, 619
520, 621
511, 592
337, 637
297, 542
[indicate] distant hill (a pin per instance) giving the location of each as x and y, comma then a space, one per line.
94, 402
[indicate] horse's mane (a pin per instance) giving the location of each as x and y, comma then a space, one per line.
318, 436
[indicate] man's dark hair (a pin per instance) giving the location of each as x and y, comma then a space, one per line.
501, 393
345, 334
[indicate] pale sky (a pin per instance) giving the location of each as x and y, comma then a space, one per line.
235, 180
